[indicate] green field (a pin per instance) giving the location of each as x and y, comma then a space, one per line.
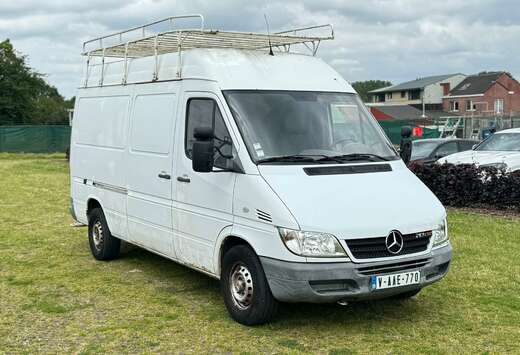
55, 298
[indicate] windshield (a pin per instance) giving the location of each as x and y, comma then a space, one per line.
278, 124
422, 149
505, 142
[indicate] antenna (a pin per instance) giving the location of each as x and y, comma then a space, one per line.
268, 35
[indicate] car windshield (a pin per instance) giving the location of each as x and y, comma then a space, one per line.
279, 126
505, 142
422, 149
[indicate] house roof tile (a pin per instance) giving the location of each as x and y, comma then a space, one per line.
476, 84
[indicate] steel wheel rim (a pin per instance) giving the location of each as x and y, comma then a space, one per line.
97, 235
241, 286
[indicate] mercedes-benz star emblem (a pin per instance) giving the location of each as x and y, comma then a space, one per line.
394, 242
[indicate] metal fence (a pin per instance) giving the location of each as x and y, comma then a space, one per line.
34, 139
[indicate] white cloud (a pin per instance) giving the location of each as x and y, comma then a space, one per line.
375, 39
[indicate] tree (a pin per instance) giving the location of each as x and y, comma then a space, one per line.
363, 87
25, 97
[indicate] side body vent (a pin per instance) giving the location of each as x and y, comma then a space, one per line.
264, 216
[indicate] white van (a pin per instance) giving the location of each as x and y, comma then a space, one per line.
234, 155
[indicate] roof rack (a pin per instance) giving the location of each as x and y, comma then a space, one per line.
175, 40
146, 41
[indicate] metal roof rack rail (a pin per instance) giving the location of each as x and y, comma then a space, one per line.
138, 42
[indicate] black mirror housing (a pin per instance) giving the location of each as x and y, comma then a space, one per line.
203, 150
202, 156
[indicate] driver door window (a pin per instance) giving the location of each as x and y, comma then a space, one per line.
205, 113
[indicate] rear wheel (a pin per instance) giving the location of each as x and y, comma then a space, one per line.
103, 245
246, 292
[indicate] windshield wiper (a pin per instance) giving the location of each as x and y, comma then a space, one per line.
355, 157
288, 159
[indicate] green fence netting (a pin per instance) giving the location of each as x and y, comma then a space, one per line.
34, 139
393, 130
49, 139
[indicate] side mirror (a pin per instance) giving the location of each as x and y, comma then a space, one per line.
203, 150
474, 146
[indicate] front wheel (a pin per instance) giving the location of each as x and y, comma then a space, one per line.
246, 292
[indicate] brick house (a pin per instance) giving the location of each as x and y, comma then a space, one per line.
485, 94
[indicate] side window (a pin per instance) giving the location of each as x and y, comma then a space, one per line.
205, 113
466, 145
446, 149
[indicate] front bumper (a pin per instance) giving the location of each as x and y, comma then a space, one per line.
331, 282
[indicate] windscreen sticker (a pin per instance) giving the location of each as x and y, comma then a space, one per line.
258, 149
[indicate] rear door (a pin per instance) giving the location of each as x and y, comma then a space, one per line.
203, 205
150, 167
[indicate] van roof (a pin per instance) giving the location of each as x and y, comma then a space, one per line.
233, 69
235, 60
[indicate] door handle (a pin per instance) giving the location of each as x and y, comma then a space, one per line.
163, 175
183, 178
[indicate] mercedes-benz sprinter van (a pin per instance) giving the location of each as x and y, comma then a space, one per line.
231, 154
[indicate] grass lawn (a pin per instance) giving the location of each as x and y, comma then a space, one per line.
54, 297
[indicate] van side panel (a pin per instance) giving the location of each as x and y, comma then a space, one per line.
99, 136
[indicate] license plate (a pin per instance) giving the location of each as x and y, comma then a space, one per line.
395, 280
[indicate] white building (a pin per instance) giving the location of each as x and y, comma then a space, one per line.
429, 89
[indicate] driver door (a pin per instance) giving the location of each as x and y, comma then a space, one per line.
203, 206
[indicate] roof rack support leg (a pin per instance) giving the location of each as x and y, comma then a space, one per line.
88, 70
102, 68
179, 50
315, 46
156, 58
125, 69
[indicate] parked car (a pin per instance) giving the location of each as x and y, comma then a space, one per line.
501, 150
229, 162
428, 151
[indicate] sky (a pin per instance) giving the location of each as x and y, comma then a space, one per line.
395, 40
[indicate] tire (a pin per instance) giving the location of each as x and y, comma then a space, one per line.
103, 245
406, 295
244, 286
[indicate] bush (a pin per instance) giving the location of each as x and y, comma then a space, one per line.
471, 186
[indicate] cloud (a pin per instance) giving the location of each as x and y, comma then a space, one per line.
393, 40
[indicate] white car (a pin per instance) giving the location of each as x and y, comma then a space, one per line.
262, 169
501, 150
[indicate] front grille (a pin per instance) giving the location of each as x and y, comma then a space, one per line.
371, 248
394, 267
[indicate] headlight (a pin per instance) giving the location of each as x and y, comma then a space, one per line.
311, 244
440, 234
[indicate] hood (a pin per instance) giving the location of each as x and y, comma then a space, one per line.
478, 157
356, 205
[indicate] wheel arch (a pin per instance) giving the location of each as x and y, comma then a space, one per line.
226, 241
93, 202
